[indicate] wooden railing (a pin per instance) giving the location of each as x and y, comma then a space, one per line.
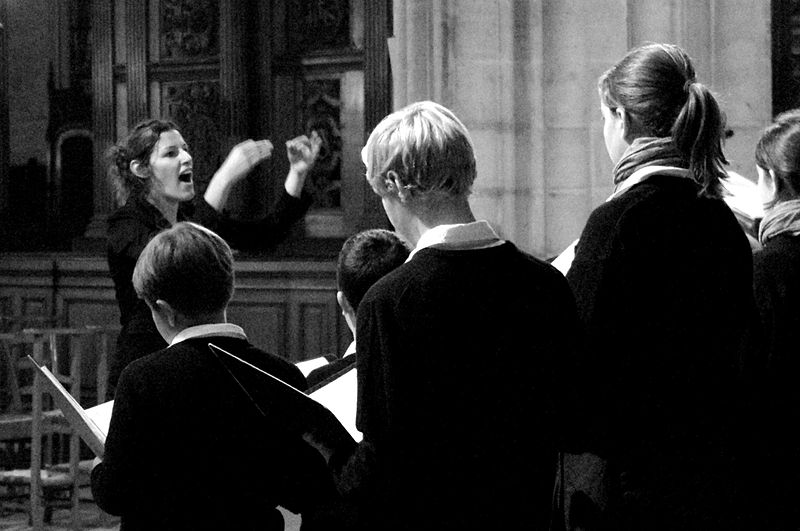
286, 307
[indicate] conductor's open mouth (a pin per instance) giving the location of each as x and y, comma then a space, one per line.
185, 177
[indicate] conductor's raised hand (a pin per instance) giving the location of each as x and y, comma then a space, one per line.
244, 157
240, 161
302, 152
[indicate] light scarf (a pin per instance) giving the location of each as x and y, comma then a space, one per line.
783, 218
648, 151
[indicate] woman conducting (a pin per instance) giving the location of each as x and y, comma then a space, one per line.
662, 276
151, 170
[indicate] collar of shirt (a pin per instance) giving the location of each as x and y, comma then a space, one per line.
479, 233
209, 330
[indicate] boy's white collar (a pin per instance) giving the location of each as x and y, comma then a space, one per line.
458, 234
209, 330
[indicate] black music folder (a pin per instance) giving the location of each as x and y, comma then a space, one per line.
339, 396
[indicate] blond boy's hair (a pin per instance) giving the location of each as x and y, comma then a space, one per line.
428, 148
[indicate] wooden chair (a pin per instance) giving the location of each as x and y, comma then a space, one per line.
51, 441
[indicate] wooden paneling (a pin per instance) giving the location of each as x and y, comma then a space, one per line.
266, 322
84, 292
103, 109
136, 60
377, 94
785, 55
4, 125
286, 308
26, 285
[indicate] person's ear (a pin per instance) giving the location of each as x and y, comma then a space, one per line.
139, 169
393, 186
772, 180
347, 311
344, 304
167, 312
624, 124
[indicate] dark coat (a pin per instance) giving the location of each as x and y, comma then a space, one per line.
776, 279
661, 277
461, 363
187, 449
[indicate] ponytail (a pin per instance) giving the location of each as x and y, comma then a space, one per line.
122, 181
655, 84
697, 133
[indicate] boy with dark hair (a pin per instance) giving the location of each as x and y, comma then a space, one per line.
364, 259
187, 447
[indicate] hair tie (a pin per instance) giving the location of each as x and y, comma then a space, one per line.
688, 85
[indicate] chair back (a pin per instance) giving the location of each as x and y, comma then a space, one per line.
29, 413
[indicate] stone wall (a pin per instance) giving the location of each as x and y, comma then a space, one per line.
522, 75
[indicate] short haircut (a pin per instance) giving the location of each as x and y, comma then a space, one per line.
778, 150
188, 266
364, 259
427, 146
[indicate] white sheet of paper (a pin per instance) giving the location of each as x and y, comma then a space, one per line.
306, 366
563, 261
101, 415
340, 397
744, 195
83, 424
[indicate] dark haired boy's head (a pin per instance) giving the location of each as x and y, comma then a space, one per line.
190, 268
365, 258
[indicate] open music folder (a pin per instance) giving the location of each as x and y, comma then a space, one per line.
338, 395
91, 424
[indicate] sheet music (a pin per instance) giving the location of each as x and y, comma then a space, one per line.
101, 415
564, 260
339, 396
307, 366
83, 424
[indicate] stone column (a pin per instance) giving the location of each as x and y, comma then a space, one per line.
729, 41
522, 75
741, 75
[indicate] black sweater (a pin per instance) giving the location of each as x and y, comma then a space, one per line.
187, 449
776, 278
662, 281
461, 358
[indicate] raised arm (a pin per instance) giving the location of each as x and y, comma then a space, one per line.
302, 152
289, 206
240, 161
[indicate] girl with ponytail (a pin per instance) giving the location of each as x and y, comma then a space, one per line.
776, 280
662, 275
